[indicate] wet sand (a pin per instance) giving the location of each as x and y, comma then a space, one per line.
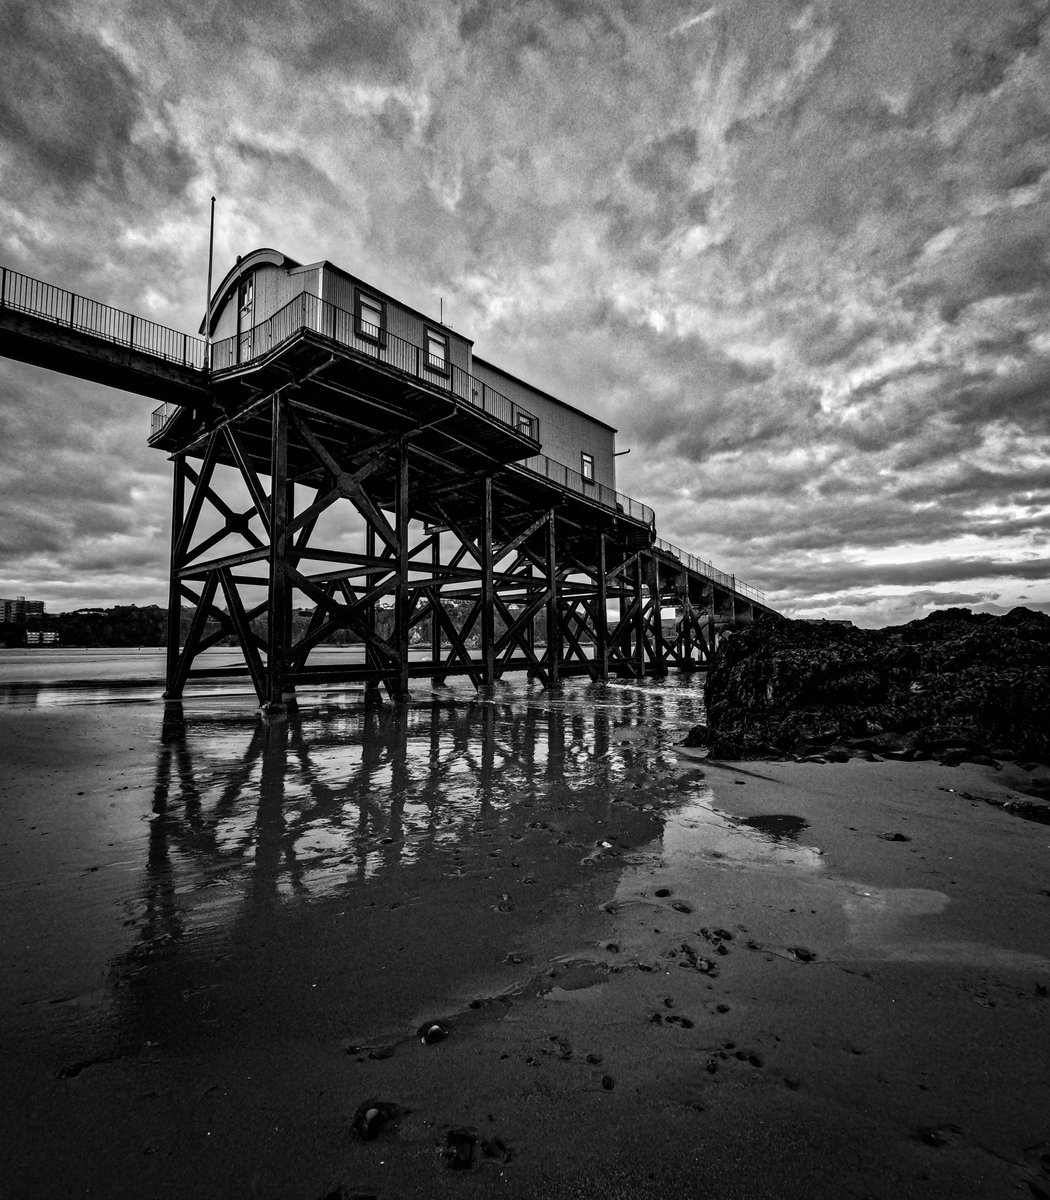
221, 936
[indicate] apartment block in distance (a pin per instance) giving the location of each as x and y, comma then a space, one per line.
20, 610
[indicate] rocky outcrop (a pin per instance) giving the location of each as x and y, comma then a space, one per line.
953, 685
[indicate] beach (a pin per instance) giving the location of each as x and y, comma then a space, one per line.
520, 944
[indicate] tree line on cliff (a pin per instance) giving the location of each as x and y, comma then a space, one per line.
132, 626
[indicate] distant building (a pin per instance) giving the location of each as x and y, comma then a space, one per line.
43, 637
20, 610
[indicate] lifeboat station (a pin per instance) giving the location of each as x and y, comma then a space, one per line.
337, 452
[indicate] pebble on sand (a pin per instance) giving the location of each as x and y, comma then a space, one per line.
371, 1116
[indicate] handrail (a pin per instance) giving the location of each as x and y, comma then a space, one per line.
557, 472
307, 311
21, 293
159, 417
699, 567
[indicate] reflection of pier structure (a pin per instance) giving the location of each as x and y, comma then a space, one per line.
339, 815
324, 463
407, 779
390, 784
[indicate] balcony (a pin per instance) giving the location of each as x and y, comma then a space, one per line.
308, 312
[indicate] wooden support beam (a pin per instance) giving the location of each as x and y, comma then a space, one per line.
198, 570
553, 658
402, 596
301, 649
244, 633
372, 690
193, 637
235, 523
435, 603
423, 496
422, 546
570, 619
457, 646
467, 543
601, 611
519, 629
251, 479
639, 619
699, 640
178, 507
687, 620
202, 482
518, 539
347, 484
280, 594
656, 617
488, 615
342, 616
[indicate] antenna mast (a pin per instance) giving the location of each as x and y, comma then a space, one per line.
207, 318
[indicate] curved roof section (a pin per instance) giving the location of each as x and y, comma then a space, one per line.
233, 277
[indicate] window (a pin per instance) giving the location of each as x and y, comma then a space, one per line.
370, 318
587, 466
245, 318
437, 352
526, 424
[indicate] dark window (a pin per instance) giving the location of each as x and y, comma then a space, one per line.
437, 352
587, 466
526, 424
370, 318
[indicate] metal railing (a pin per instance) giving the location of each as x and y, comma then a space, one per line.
699, 567
556, 472
160, 417
21, 293
307, 311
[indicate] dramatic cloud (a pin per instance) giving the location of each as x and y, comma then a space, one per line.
799, 253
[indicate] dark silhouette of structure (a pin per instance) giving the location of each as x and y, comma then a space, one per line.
334, 448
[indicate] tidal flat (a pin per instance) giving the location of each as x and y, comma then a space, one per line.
508, 945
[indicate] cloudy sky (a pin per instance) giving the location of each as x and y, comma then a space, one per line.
798, 253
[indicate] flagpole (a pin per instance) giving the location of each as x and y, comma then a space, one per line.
207, 319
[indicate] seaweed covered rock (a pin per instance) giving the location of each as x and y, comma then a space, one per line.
955, 683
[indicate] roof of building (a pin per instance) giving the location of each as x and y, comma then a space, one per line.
244, 263
275, 258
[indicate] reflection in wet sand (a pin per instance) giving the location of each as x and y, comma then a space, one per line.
378, 830
316, 802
